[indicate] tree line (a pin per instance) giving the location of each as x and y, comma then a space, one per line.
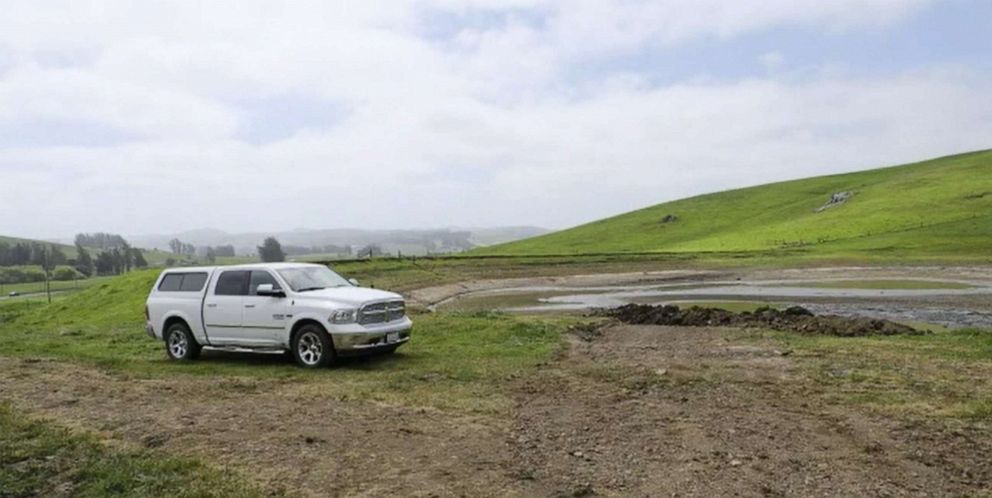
31, 253
113, 256
208, 253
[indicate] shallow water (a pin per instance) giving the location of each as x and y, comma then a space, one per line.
895, 304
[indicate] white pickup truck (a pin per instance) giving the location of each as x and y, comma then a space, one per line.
273, 307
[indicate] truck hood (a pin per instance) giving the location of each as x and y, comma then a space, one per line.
349, 296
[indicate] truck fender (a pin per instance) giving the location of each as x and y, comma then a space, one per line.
194, 325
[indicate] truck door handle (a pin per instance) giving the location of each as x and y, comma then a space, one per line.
211, 305
249, 306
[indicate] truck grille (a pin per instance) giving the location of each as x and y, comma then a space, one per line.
381, 312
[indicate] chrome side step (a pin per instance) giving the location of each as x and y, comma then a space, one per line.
242, 349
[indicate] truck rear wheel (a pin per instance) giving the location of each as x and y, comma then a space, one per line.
180, 344
312, 347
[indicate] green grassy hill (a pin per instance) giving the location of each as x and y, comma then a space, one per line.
936, 209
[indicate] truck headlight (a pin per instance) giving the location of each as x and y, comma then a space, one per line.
343, 316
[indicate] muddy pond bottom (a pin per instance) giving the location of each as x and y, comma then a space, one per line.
948, 303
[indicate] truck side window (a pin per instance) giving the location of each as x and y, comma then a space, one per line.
171, 282
193, 282
259, 277
232, 283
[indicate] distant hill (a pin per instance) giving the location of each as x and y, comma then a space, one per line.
941, 208
406, 241
69, 249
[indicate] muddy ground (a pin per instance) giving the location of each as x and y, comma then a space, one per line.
954, 308
795, 319
623, 411
434, 296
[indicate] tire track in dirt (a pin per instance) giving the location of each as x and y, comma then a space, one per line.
671, 411
281, 436
626, 411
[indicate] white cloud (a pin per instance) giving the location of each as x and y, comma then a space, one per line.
481, 126
772, 61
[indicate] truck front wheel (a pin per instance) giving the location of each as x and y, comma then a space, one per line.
180, 344
312, 347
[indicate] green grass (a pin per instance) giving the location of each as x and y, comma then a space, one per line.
945, 374
934, 210
38, 458
455, 360
56, 286
881, 284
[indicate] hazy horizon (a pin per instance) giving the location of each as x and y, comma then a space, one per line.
148, 119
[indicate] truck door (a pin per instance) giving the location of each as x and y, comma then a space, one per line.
223, 307
265, 316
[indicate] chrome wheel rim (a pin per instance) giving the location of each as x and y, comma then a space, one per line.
309, 348
178, 345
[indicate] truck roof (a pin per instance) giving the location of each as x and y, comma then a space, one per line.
246, 266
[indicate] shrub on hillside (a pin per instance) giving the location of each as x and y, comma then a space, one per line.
65, 273
21, 274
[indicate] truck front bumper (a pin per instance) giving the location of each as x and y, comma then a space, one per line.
358, 340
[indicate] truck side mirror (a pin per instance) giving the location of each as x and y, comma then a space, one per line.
268, 290
353, 282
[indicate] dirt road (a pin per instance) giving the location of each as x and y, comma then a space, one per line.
624, 411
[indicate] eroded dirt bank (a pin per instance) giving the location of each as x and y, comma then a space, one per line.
628, 410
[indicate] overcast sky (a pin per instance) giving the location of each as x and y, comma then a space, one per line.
155, 117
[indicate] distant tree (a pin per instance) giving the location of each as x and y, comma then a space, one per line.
271, 250
176, 246
48, 256
211, 255
104, 263
64, 273
84, 263
138, 258
56, 256
100, 240
20, 254
118, 261
224, 251
126, 256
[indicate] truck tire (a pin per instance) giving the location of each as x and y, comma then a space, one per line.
180, 344
312, 347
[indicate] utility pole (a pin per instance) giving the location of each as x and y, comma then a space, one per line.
48, 274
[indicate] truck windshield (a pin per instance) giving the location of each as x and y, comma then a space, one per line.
307, 278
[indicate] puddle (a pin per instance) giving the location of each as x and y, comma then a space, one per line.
840, 297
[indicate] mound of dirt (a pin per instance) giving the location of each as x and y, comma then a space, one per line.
794, 319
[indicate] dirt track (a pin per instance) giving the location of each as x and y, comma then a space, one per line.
625, 411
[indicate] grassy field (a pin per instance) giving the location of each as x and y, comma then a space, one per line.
39, 458
56, 286
458, 360
946, 375
462, 364
938, 209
